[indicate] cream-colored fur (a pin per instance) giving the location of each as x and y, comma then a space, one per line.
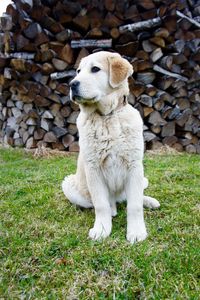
110, 167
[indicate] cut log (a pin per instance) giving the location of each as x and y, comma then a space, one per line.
149, 136
147, 111
50, 137
170, 140
47, 115
66, 54
83, 52
74, 147
146, 100
148, 46
128, 49
72, 129
67, 140
155, 129
156, 119
41, 101
183, 117
39, 133
59, 131
190, 149
32, 30
158, 41
156, 54
67, 34
59, 65
137, 89
65, 111
146, 77
38, 58
168, 129
30, 143
72, 118
82, 22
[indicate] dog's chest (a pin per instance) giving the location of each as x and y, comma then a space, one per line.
106, 142
111, 145
109, 152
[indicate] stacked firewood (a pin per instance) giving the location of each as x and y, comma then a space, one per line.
42, 42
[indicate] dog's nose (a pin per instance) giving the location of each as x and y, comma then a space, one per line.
74, 85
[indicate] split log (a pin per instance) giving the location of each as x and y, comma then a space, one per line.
41, 45
156, 54
67, 140
168, 129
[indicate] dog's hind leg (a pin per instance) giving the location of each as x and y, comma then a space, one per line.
73, 194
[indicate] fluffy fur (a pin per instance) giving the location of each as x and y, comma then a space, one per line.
110, 167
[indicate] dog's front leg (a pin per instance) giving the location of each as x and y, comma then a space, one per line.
136, 230
99, 194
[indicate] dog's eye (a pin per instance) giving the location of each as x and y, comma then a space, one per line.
78, 71
95, 69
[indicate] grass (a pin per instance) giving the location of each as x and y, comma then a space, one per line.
45, 252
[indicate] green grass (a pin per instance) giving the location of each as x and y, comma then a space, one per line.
45, 252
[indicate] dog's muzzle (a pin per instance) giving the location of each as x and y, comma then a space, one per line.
74, 85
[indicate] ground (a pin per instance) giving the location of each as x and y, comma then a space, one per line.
45, 252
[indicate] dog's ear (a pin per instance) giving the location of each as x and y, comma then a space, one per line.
119, 70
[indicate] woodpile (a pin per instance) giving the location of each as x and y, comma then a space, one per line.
42, 42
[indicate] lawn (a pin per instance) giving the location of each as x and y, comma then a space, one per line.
45, 252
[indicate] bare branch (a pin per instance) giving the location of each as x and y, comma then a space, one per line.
58, 75
180, 14
140, 25
107, 43
163, 71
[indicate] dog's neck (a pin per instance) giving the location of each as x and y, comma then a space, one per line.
108, 105
108, 111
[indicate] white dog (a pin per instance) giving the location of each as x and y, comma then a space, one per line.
110, 167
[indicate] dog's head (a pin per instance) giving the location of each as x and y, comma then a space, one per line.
98, 75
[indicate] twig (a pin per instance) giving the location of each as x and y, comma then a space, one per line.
20, 55
180, 14
163, 71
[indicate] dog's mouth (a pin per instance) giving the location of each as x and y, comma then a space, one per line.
80, 99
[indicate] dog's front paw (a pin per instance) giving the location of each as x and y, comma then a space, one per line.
99, 232
136, 236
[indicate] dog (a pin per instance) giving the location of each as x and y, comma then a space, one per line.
110, 162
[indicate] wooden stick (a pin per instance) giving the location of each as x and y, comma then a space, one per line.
20, 55
107, 43
58, 75
163, 71
141, 25
180, 14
